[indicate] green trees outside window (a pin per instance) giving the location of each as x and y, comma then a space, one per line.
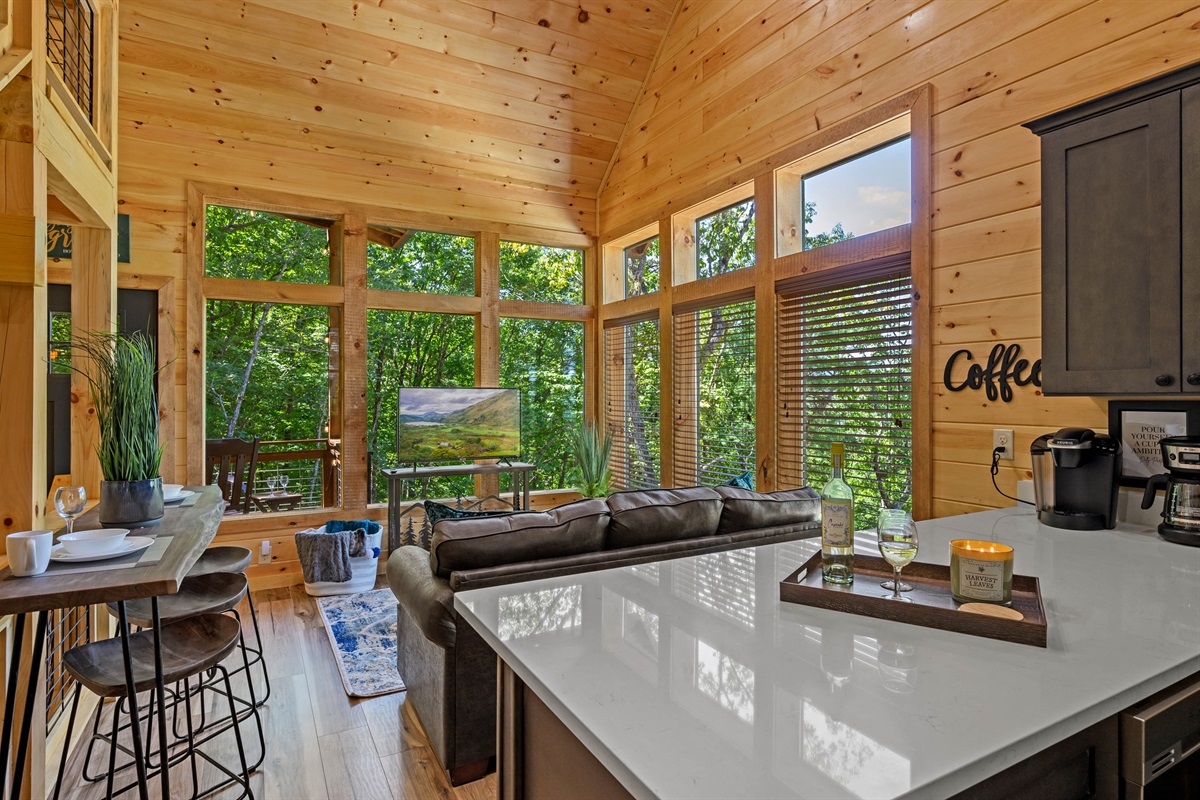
642, 267
420, 261
725, 240
541, 274
544, 359
257, 245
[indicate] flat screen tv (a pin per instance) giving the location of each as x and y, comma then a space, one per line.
455, 424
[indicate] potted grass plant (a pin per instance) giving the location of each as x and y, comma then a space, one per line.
121, 370
592, 447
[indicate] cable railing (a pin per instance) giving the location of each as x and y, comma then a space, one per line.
310, 469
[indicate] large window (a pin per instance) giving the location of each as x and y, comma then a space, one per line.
405, 349
542, 274
256, 245
419, 261
544, 359
631, 403
844, 374
869, 192
714, 413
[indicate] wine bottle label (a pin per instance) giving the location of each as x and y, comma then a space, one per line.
981, 580
837, 525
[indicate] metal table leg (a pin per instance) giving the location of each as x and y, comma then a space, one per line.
134, 729
160, 694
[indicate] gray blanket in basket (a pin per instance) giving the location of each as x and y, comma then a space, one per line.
325, 557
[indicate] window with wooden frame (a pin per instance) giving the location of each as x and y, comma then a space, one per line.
714, 237
632, 265
406, 260
713, 411
631, 402
642, 267
844, 374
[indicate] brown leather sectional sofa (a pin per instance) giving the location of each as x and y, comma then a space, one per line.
450, 672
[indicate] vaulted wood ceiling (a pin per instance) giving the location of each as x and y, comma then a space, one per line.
503, 99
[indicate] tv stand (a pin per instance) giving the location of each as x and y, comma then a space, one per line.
396, 478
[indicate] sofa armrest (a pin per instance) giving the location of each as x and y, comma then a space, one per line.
425, 597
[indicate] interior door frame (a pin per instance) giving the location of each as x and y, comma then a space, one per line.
164, 286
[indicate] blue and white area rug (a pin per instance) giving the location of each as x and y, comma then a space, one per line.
362, 630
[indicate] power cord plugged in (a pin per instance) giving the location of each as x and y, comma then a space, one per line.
996, 453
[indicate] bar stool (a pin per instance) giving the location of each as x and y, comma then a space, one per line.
189, 647
230, 558
214, 593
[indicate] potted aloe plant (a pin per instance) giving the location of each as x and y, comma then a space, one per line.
592, 447
122, 370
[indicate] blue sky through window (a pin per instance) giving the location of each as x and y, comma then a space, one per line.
870, 193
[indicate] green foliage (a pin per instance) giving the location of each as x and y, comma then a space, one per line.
121, 370
592, 447
725, 392
725, 240
811, 240
642, 267
638, 424
542, 274
437, 263
255, 245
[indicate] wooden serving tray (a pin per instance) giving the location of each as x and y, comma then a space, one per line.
932, 605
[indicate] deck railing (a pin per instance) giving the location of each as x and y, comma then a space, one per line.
312, 467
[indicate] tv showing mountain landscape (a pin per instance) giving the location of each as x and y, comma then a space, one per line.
455, 424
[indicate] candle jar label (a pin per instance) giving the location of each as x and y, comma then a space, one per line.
981, 580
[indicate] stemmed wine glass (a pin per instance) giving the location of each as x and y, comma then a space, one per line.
70, 501
271, 481
283, 481
898, 546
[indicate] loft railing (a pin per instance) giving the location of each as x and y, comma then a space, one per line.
67, 628
70, 47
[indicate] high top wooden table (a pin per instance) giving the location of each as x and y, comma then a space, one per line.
192, 529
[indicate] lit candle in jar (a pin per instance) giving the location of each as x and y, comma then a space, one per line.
981, 572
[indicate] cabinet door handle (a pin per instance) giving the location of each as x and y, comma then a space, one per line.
1164, 380
1194, 379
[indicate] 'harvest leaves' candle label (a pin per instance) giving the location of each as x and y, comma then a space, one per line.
981, 580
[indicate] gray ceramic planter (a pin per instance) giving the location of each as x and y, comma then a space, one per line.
131, 504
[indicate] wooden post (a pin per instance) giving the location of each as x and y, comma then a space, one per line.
764, 332
487, 330
93, 305
354, 362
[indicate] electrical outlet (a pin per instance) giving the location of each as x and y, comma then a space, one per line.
264, 553
1003, 438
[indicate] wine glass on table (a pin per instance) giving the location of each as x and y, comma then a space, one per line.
272, 480
283, 481
898, 546
69, 502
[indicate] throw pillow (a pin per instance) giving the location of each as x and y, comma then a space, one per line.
436, 512
743, 481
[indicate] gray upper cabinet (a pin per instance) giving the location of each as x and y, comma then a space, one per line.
1121, 241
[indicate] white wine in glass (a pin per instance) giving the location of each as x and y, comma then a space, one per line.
69, 502
898, 546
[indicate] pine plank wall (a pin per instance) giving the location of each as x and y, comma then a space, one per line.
732, 83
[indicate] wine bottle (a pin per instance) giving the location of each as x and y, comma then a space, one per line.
837, 524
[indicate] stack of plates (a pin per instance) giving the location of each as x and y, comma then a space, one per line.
175, 493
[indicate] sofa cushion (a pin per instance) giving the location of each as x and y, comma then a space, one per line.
662, 515
743, 481
746, 510
527, 536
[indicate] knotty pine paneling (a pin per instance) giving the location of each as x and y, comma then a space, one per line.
737, 83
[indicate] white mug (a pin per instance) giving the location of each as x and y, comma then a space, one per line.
29, 552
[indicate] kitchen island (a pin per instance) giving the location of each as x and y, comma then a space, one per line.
689, 678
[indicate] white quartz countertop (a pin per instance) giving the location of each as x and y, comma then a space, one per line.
689, 678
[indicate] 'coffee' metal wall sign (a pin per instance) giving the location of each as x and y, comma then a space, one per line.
1002, 366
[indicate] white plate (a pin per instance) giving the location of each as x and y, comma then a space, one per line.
132, 544
181, 496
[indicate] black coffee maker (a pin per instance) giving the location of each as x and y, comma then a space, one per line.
1181, 506
1076, 474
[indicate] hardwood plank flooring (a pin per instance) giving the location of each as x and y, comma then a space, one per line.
321, 744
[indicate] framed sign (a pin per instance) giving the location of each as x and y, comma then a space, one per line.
1140, 424
59, 241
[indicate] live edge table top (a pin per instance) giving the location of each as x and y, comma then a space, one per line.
192, 530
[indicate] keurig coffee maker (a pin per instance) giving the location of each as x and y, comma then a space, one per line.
1076, 474
1181, 506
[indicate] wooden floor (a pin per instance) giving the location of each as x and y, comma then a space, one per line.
321, 744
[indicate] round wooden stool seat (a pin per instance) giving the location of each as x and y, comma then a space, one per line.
222, 559
189, 646
214, 593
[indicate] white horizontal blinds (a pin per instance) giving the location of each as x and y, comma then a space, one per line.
844, 374
631, 403
713, 410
